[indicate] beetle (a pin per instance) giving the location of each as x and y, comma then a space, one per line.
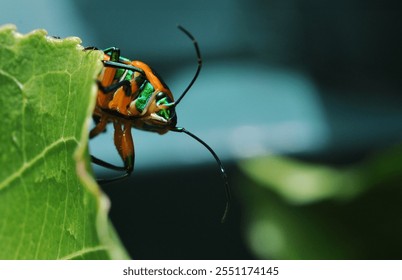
132, 95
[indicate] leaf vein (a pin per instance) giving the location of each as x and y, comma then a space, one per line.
84, 251
39, 156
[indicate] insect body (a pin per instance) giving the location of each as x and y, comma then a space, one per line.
130, 95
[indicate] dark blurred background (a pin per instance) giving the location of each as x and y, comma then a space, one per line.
301, 99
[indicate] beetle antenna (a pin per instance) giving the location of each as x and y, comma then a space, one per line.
197, 50
223, 172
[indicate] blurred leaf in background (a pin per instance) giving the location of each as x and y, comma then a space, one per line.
50, 206
300, 210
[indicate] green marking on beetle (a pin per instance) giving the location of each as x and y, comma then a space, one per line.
164, 113
144, 96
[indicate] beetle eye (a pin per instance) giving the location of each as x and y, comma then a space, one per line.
160, 96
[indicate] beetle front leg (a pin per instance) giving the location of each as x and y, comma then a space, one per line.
124, 144
113, 52
100, 127
113, 87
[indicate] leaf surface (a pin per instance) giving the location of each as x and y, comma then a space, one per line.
50, 205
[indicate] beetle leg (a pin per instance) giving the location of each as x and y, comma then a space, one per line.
123, 141
120, 65
105, 100
118, 135
100, 127
113, 52
121, 100
110, 166
106, 164
113, 87
91, 48
125, 146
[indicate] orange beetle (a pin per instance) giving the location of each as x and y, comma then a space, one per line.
130, 95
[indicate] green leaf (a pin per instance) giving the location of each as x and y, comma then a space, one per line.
299, 210
50, 205
302, 183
